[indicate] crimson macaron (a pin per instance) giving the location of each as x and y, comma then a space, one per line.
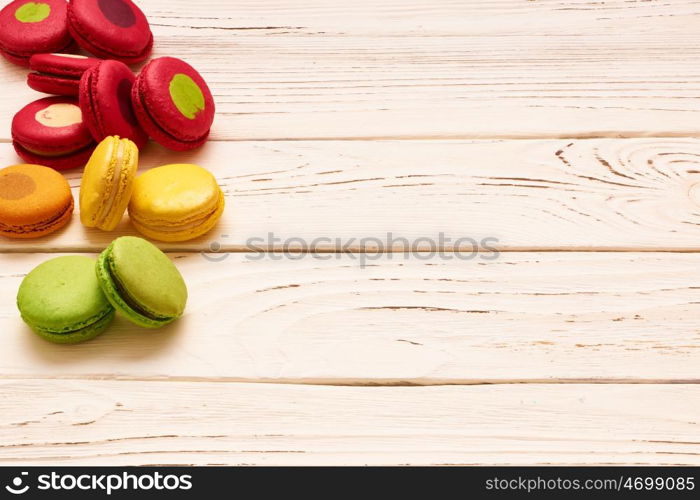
51, 132
28, 28
58, 74
105, 100
173, 103
111, 29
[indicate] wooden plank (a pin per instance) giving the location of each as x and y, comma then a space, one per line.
333, 69
555, 317
603, 194
137, 423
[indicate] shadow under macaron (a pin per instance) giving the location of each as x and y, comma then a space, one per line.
122, 341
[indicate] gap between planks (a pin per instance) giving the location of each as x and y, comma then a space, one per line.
369, 383
173, 248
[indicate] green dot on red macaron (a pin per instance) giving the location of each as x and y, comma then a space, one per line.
33, 12
186, 95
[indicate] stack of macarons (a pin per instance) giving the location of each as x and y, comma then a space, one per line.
72, 299
168, 101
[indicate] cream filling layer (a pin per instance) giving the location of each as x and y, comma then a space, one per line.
115, 184
51, 155
177, 228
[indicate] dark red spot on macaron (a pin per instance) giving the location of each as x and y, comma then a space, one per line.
118, 12
124, 97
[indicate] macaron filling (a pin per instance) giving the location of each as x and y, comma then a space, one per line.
175, 227
130, 301
91, 324
113, 187
50, 154
56, 75
27, 55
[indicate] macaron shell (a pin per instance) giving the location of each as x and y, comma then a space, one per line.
29, 27
103, 199
174, 103
34, 201
155, 132
51, 126
105, 100
176, 202
62, 296
115, 29
134, 271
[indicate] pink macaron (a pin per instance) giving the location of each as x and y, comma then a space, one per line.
28, 28
51, 132
105, 100
58, 74
173, 103
111, 29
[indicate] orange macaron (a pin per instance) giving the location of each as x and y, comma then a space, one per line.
34, 201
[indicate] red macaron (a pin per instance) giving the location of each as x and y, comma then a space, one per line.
111, 29
58, 74
51, 132
173, 104
28, 28
105, 100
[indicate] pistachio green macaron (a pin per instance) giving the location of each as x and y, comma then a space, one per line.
141, 282
61, 300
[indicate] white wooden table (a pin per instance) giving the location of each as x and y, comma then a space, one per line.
567, 129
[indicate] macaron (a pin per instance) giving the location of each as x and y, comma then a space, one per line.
28, 28
141, 282
105, 101
111, 29
61, 300
176, 202
34, 201
173, 103
58, 74
107, 183
51, 132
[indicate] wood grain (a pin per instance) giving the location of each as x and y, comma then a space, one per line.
555, 317
602, 194
127, 423
452, 69
555, 126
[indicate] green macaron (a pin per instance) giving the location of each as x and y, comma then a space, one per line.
141, 282
62, 302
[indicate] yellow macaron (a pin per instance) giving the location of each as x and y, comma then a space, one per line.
176, 202
107, 183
